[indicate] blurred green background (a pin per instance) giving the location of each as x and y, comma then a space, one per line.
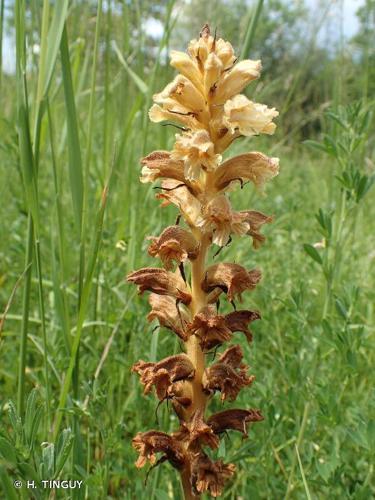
74, 99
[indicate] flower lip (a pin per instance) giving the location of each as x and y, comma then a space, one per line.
248, 117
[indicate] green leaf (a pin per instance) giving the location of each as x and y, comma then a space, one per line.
7, 451
8, 486
75, 158
313, 253
48, 455
64, 445
315, 145
136, 79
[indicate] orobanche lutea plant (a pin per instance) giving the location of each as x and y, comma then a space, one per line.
205, 101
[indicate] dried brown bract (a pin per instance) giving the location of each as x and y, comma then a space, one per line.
204, 100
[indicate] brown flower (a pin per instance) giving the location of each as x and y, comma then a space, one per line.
149, 443
255, 167
197, 433
168, 313
179, 194
234, 419
164, 373
255, 221
219, 218
211, 328
174, 244
161, 282
238, 321
210, 476
228, 375
160, 164
233, 279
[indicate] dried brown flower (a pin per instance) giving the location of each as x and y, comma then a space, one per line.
234, 419
163, 374
209, 476
228, 375
149, 443
232, 279
169, 314
162, 282
174, 244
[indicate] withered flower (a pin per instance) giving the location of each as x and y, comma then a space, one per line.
174, 244
221, 221
164, 373
168, 313
160, 281
255, 167
149, 443
234, 419
160, 164
204, 100
228, 375
196, 433
232, 279
209, 476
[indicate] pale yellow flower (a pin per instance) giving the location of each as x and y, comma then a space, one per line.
248, 117
197, 151
183, 92
187, 67
235, 80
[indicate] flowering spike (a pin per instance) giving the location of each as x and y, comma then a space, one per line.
204, 100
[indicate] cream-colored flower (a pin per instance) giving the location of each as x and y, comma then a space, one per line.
235, 80
255, 167
219, 218
178, 194
213, 68
187, 67
206, 44
172, 110
248, 117
183, 92
197, 151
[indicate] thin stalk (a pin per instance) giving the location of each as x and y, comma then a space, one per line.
298, 444
25, 317
2, 2
250, 34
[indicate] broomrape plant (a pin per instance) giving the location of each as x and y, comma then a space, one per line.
205, 101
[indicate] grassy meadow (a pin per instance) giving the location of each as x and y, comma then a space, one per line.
75, 93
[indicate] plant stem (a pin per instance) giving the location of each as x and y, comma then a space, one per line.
25, 316
186, 486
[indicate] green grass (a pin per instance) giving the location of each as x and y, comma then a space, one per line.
73, 127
